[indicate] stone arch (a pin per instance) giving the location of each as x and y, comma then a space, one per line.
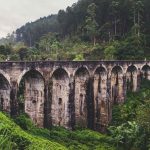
58, 68
81, 81
31, 87
60, 98
146, 72
6, 76
5, 103
131, 78
101, 102
117, 85
100, 66
24, 72
82, 66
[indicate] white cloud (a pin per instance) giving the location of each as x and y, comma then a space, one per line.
15, 13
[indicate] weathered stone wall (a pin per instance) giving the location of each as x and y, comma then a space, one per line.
34, 97
60, 98
69, 94
101, 100
81, 85
4, 94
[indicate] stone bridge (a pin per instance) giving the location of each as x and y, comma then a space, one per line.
68, 93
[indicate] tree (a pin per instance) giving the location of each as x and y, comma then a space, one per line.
23, 53
5, 49
115, 7
91, 24
137, 11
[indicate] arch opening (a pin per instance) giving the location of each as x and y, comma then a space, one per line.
60, 98
81, 81
146, 72
131, 78
31, 96
101, 102
4, 94
117, 85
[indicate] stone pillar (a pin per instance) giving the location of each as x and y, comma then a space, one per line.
90, 103
71, 123
124, 86
148, 75
82, 98
138, 80
134, 81
120, 89
13, 98
47, 105
101, 102
109, 97
4, 94
104, 105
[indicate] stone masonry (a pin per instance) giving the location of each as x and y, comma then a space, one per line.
69, 93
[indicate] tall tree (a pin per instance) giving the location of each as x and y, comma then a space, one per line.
91, 24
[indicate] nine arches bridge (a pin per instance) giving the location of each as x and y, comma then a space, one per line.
69, 93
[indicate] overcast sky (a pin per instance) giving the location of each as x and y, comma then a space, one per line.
15, 13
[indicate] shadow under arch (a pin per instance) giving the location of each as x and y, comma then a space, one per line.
59, 88
131, 78
82, 98
31, 96
101, 101
117, 83
5, 102
146, 72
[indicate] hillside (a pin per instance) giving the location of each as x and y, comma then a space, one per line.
31, 138
88, 30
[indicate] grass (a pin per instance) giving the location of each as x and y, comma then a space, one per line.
21, 134
13, 137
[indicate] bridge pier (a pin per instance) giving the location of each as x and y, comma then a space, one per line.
47, 105
13, 99
71, 103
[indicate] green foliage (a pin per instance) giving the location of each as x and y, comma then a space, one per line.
126, 135
24, 122
30, 137
15, 138
131, 122
80, 139
78, 57
100, 29
96, 30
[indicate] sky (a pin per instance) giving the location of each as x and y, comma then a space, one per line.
15, 13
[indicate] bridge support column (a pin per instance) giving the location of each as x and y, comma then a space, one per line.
71, 103
138, 80
47, 105
124, 86
13, 98
135, 78
109, 99
90, 104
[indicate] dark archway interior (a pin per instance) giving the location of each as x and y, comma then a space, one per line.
146, 71
131, 71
